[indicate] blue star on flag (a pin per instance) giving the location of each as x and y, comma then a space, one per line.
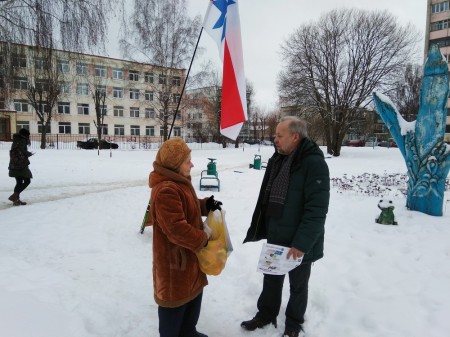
222, 6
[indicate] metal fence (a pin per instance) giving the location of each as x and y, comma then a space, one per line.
69, 142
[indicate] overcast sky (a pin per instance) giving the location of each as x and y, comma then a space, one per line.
265, 24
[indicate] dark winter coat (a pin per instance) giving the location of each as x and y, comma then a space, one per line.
18, 157
178, 234
302, 222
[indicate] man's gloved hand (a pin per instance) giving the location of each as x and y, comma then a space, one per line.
207, 230
212, 205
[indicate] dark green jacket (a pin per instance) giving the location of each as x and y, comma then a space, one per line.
302, 222
18, 157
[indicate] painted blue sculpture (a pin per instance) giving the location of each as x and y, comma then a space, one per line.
421, 142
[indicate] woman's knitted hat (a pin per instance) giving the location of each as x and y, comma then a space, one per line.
172, 153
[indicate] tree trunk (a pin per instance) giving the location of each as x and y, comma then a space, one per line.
427, 198
43, 138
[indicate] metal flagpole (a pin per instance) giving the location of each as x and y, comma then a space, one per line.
184, 84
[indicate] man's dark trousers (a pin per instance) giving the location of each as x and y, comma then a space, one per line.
269, 301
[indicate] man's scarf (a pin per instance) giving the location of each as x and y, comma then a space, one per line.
278, 184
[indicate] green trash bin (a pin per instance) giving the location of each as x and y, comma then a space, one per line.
257, 162
211, 168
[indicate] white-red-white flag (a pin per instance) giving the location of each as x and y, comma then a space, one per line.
222, 23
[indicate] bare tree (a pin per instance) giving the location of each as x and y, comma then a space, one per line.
76, 24
165, 36
43, 90
99, 97
406, 94
334, 65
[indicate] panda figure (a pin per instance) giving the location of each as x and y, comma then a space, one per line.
386, 216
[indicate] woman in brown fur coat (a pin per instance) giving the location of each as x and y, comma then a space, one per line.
178, 233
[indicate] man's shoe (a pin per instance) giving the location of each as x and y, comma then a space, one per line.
199, 334
293, 333
257, 323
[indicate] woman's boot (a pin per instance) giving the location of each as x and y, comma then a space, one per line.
14, 197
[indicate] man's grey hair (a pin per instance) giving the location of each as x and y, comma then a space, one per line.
296, 125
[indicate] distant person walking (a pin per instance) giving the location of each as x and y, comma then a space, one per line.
18, 165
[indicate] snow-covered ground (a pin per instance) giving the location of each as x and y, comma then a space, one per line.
73, 264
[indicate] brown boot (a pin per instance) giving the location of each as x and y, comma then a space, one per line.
14, 197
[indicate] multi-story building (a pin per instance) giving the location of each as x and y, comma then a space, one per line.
438, 32
133, 94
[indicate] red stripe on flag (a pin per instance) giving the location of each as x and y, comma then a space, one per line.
232, 109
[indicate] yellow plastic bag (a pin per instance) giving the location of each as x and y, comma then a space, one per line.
213, 257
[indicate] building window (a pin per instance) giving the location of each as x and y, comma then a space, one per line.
21, 105
64, 108
41, 85
176, 81
104, 110
149, 95
64, 127
119, 130
162, 79
176, 98
117, 92
63, 66
104, 129
149, 130
2, 104
82, 69
100, 71
19, 61
41, 128
439, 25
118, 111
117, 74
149, 113
134, 130
177, 132
23, 125
84, 128
101, 88
134, 112
149, 77
439, 7
134, 93
133, 75
82, 89
64, 87
83, 109
20, 83
40, 63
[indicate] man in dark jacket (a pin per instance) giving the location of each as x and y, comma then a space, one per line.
291, 211
18, 165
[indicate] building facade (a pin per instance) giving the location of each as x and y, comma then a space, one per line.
438, 32
136, 96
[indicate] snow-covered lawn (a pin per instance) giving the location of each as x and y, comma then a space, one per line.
73, 264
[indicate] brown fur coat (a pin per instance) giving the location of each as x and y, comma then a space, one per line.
175, 213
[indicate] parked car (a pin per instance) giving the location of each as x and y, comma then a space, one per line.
372, 141
388, 143
354, 142
92, 143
